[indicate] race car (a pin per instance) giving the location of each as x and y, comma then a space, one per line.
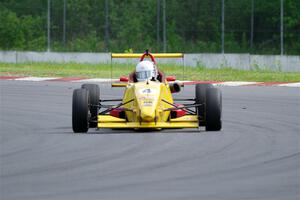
147, 105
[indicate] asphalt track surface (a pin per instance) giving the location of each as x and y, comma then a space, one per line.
255, 156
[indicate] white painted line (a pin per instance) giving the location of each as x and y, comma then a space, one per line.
178, 81
235, 83
35, 79
96, 80
290, 84
218, 84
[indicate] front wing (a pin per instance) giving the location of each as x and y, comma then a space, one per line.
187, 121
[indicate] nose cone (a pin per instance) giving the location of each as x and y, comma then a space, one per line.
147, 114
147, 96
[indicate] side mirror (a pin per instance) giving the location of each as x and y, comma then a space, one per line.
175, 87
171, 78
124, 79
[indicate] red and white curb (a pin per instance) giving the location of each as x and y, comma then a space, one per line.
103, 80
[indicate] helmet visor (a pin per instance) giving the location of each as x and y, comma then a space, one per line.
144, 75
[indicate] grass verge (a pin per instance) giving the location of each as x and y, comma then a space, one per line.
104, 71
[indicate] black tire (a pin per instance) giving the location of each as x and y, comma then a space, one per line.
94, 95
213, 113
80, 111
200, 96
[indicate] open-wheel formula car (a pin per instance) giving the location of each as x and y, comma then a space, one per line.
147, 105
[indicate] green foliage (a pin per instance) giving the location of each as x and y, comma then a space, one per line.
192, 26
33, 33
24, 33
10, 34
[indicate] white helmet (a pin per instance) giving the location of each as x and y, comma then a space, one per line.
145, 70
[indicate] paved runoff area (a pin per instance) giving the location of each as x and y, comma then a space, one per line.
255, 156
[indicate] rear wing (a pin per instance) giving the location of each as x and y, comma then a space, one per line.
147, 55
139, 55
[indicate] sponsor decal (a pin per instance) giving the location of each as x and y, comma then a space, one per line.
148, 102
148, 91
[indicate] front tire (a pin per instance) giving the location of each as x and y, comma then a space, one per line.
94, 96
200, 94
213, 109
80, 111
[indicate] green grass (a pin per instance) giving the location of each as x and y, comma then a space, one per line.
103, 71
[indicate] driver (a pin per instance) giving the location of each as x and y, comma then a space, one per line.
146, 70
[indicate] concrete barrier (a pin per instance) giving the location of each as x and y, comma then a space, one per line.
91, 58
292, 63
206, 60
8, 56
277, 63
238, 61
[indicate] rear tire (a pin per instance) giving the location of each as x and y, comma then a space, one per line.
94, 96
80, 111
200, 94
213, 111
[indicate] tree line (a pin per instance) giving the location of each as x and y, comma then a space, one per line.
135, 25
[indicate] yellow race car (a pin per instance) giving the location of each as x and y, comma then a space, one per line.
147, 105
